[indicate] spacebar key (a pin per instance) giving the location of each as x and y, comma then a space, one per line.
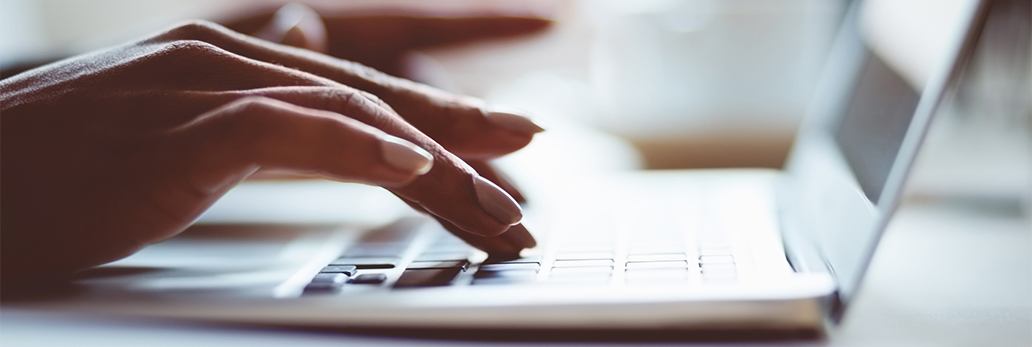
427, 277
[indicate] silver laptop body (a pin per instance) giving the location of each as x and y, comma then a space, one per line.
670, 250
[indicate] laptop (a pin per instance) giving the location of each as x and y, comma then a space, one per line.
665, 251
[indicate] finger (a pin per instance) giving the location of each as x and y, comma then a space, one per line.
280, 175
229, 143
462, 125
198, 65
296, 25
420, 30
511, 242
452, 190
379, 40
497, 177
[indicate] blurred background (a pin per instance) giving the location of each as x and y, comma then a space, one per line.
666, 83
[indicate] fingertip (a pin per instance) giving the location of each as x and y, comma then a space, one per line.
535, 22
519, 236
513, 122
491, 245
296, 25
405, 156
295, 36
485, 170
496, 202
489, 133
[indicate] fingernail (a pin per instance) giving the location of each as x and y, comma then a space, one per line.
405, 156
514, 122
496, 202
295, 37
519, 236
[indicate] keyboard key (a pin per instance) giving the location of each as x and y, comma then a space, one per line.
582, 263
344, 269
581, 274
438, 264
715, 251
373, 278
322, 288
582, 271
584, 255
510, 267
731, 277
716, 259
718, 269
585, 280
655, 275
427, 277
326, 282
367, 263
443, 256
680, 264
336, 278
504, 277
656, 257
505, 273
513, 260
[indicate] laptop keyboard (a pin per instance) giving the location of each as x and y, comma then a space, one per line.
417, 253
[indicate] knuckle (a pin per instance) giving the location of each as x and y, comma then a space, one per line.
253, 102
372, 97
362, 104
330, 130
327, 126
376, 100
376, 78
191, 40
200, 30
335, 98
184, 53
191, 48
248, 119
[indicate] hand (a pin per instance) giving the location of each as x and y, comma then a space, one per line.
110, 151
381, 39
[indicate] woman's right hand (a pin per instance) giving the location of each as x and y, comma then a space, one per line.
110, 151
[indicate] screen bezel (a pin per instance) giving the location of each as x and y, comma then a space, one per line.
835, 225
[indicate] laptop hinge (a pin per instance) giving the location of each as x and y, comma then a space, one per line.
801, 252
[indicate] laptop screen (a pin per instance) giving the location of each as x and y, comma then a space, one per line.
861, 136
874, 123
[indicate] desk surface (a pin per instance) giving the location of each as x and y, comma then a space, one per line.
946, 274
